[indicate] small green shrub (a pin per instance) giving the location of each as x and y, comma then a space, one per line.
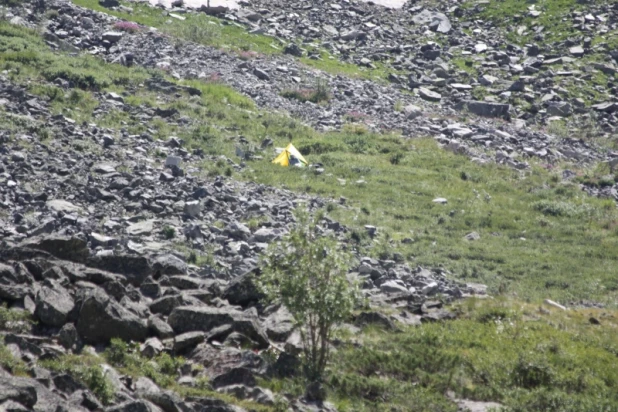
396, 158
320, 93
559, 208
94, 378
306, 272
532, 372
169, 232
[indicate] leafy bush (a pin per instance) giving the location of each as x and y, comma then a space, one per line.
162, 369
169, 232
94, 378
306, 272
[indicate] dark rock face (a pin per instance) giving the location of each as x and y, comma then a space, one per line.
101, 319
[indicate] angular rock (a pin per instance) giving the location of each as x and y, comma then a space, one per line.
191, 318
429, 95
135, 268
53, 305
101, 319
62, 247
242, 289
485, 109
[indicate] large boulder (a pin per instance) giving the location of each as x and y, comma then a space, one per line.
20, 390
62, 247
436, 21
13, 283
242, 290
196, 318
53, 305
169, 264
135, 268
101, 319
279, 324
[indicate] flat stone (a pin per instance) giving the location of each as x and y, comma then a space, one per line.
429, 95
58, 205
144, 227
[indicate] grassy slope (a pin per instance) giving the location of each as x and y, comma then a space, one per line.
569, 251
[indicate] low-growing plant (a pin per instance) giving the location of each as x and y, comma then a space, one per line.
396, 158
169, 232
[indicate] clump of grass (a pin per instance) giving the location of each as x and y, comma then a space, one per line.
319, 93
196, 31
355, 128
14, 320
86, 369
396, 158
306, 95
162, 369
560, 208
14, 366
355, 116
169, 232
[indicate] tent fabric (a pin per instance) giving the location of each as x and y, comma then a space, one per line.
288, 155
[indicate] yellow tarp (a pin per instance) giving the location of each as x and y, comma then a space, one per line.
290, 151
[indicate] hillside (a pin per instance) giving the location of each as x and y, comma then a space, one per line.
463, 153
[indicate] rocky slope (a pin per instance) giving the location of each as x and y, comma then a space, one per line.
109, 235
440, 92
102, 239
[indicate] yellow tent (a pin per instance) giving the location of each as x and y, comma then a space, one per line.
290, 156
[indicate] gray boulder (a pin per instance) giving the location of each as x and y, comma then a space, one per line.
65, 248
169, 264
195, 318
101, 319
53, 305
436, 21
20, 390
242, 289
135, 268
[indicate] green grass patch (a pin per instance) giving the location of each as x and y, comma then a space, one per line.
497, 351
86, 369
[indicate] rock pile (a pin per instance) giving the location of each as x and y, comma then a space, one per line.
441, 90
